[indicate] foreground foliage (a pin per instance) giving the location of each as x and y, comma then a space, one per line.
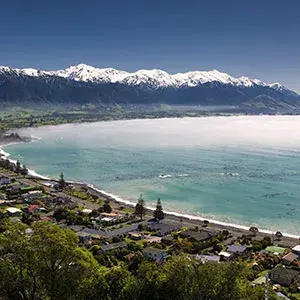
47, 263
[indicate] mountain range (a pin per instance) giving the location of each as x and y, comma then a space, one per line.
83, 84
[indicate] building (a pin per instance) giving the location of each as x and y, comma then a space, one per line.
289, 258
285, 276
155, 254
198, 236
113, 246
296, 249
208, 258
4, 181
13, 211
237, 249
93, 233
162, 229
135, 235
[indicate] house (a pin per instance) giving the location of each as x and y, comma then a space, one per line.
135, 235
109, 247
225, 254
32, 195
285, 276
93, 233
198, 236
76, 228
162, 229
237, 249
33, 208
155, 254
4, 181
86, 211
289, 258
13, 211
84, 237
296, 249
122, 231
208, 258
167, 240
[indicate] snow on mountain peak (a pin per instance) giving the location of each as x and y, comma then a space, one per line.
153, 79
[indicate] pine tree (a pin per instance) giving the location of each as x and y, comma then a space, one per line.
61, 182
18, 167
158, 213
140, 207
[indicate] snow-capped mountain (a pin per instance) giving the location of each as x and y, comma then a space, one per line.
86, 86
150, 78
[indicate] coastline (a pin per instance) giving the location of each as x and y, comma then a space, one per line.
170, 215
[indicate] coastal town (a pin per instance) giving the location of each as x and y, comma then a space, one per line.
117, 232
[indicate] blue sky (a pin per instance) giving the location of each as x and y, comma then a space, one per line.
258, 39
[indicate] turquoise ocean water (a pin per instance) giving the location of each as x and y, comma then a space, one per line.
241, 170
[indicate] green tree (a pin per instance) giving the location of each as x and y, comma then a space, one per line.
106, 207
158, 212
48, 264
140, 209
18, 167
61, 181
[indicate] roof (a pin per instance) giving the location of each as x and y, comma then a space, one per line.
86, 211
32, 207
151, 250
163, 228
35, 192
296, 248
284, 276
282, 296
13, 210
114, 246
259, 280
198, 235
275, 249
236, 248
225, 254
290, 257
76, 228
208, 258
93, 232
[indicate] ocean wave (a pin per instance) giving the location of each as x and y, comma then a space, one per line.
172, 176
230, 174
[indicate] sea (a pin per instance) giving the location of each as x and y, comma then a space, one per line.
241, 170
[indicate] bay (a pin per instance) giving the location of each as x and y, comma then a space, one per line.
241, 170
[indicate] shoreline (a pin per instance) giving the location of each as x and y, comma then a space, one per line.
196, 220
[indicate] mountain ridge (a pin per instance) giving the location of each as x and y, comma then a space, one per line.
154, 78
82, 85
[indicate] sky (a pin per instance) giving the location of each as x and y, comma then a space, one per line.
257, 38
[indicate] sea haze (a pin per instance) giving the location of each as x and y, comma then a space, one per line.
242, 170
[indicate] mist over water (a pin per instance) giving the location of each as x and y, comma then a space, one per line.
242, 170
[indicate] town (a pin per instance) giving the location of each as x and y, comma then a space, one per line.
115, 232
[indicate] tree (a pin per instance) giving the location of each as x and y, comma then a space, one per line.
106, 207
61, 181
278, 235
140, 207
158, 212
48, 264
18, 167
